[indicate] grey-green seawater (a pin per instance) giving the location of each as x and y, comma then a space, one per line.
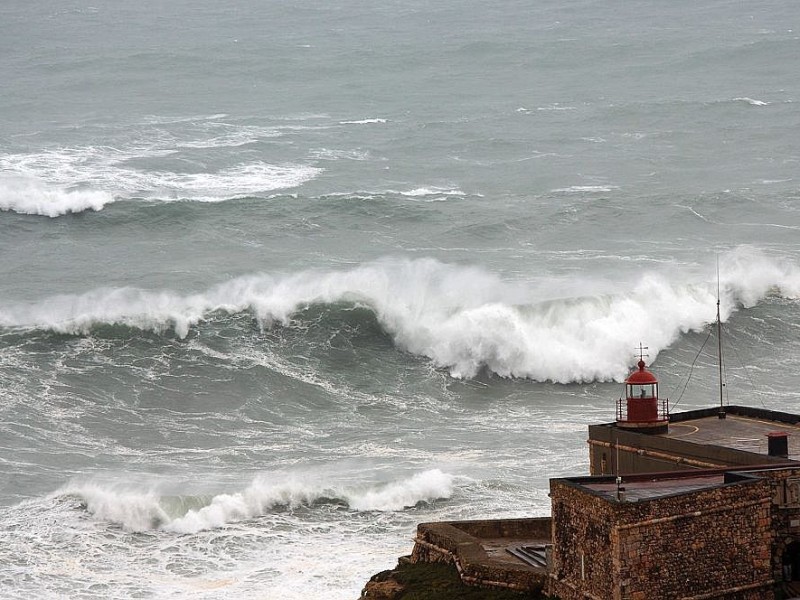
281, 280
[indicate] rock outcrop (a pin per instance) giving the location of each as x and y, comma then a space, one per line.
432, 581
383, 586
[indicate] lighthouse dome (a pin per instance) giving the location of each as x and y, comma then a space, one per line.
642, 376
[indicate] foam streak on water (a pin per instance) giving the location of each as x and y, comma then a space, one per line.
278, 281
63, 180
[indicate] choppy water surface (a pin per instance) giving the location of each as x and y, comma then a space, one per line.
280, 282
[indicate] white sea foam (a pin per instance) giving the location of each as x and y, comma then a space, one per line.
159, 120
422, 487
363, 122
751, 101
431, 191
58, 551
235, 182
772, 181
463, 319
423, 194
55, 181
591, 189
230, 137
137, 509
556, 107
30, 196
329, 154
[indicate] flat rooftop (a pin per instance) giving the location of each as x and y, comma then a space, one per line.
746, 432
639, 489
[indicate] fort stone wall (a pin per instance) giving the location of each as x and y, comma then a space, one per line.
715, 543
581, 556
785, 516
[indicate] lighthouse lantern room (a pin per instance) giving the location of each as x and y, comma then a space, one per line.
642, 410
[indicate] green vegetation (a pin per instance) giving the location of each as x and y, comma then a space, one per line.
436, 581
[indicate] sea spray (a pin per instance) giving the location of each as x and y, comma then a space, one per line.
133, 509
463, 319
144, 508
31, 196
422, 487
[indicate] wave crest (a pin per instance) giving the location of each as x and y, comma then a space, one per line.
751, 101
463, 319
54, 181
30, 196
144, 510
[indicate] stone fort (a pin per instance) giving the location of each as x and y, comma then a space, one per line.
693, 506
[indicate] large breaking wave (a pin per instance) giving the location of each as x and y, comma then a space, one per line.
137, 509
463, 319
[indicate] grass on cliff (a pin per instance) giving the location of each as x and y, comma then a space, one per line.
431, 581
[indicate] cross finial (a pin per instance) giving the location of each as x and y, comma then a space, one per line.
641, 351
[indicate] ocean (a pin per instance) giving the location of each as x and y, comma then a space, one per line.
281, 280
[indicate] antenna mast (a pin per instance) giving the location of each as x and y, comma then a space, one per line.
719, 349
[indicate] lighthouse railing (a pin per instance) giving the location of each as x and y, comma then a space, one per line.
662, 414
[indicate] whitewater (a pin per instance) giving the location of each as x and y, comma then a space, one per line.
280, 282
463, 319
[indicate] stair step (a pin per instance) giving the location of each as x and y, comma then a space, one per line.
791, 589
536, 556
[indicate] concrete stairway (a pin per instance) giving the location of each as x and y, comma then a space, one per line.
791, 589
535, 556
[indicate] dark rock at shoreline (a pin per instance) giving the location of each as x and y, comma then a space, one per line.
431, 581
383, 586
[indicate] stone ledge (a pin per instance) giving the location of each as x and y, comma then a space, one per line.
461, 543
430, 581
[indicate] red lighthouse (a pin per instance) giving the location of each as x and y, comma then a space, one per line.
642, 410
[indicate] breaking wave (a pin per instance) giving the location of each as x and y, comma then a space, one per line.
29, 196
60, 180
463, 319
66, 191
751, 101
142, 510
